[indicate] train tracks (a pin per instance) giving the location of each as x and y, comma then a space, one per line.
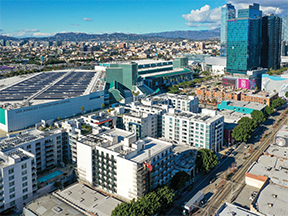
218, 198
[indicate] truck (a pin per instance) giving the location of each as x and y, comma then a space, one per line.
193, 202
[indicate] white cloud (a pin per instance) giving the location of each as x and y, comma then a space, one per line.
205, 17
75, 24
277, 7
42, 34
87, 19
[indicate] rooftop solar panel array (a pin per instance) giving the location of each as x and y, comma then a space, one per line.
23, 90
73, 85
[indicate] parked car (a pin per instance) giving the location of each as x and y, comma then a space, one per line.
256, 136
234, 153
251, 198
246, 146
212, 180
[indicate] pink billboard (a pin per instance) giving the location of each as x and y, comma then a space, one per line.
243, 83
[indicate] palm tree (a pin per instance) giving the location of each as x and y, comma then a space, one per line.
82, 109
103, 105
59, 118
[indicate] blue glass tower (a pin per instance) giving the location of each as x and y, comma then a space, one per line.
244, 40
284, 38
227, 12
271, 42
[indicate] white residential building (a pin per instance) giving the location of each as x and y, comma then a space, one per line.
47, 146
181, 102
113, 160
18, 178
202, 130
142, 124
152, 107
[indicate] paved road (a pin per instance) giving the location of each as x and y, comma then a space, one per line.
225, 192
203, 183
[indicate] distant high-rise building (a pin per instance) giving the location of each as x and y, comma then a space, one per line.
251, 12
284, 38
47, 44
244, 40
271, 42
3, 42
227, 12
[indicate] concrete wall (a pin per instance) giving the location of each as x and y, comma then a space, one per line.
84, 162
126, 178
17, 119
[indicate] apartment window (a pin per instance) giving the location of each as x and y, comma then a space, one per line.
24, 166
12, 196
12, 203
25, 190
24, 184
24, 178
11, 171
11, 183
24, 172
11, 190
25, 197
11, 177
28, 146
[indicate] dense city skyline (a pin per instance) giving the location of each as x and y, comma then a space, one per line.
46, 18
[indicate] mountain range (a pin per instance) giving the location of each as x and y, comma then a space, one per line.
194, 35
72, 36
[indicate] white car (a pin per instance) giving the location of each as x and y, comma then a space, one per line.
251, 198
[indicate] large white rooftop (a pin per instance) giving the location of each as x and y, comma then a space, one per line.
22, 91
269, 204
227, 209
88, 199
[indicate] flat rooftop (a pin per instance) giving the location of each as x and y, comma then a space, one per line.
50, 205
267, 204
276, 169
154, 146
230, 209
283, 132
173, 72
48, 86
200, 117
88, 199
251, 105
24, 137
14, 156
175, 96
231, 116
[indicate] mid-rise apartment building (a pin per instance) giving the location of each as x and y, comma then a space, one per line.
18, 178
203, 130
142, 124
181, 102
114, 161
45, 145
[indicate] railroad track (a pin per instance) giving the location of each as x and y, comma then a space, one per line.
217, 199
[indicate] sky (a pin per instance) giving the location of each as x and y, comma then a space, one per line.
41, 18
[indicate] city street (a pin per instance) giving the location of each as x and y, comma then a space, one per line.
242, 153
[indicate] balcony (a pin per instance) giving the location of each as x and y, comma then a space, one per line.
49, 147
51, 162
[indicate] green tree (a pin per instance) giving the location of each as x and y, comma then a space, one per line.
258, 116
243, 131
206, 159
59, 118
277, 103
103, 105
82, 109
269, 110
153, 203
286, 94
179, 180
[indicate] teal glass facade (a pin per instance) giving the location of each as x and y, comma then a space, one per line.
227, 12
126, 74
244, 41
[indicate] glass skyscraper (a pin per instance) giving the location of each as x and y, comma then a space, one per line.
227, 12
244, 40
284, 36
271, 42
